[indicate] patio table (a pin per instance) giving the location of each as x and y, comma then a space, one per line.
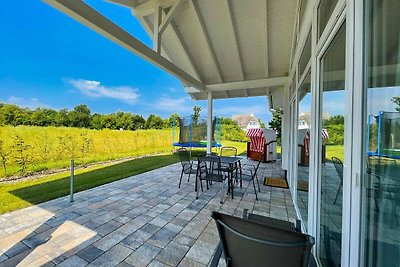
234, 165
233, 162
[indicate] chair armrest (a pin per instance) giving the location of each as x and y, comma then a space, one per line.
217, 255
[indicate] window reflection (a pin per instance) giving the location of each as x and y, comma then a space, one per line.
332, 149
325, 10
303, 138
381, 200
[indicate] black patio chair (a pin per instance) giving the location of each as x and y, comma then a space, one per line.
188, 166
246, 242
339, 169
229, 151
209, 170
285, 225
249, 173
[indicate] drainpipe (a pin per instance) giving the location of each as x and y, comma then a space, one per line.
209, 122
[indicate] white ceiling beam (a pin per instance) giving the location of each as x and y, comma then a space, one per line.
147, 7
207, 39
125, 3
266, 63
186, 51
170, 16
234, 38
278, 81
86, 15
150, 33
180, 42
156, 27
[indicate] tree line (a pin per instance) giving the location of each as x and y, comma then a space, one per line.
81, 117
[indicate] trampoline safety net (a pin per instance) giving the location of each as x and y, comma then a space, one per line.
193, 131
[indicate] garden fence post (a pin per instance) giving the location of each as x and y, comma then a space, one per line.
71, 197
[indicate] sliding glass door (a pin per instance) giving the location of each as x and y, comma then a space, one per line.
381, 200
331, 148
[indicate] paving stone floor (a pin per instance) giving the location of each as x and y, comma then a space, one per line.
144, 220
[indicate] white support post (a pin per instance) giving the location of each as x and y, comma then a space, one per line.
209, 122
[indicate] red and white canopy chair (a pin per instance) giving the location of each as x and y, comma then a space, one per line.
261, 140
304, 146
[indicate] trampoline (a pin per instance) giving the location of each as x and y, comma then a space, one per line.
384, 135
193, 132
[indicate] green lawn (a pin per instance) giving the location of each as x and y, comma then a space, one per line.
22, 194
335, 151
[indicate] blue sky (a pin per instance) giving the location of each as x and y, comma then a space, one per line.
49, 60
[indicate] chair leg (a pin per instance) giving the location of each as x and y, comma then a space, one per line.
229, 184
337, 194
222, 193
196, 187
258, 183
255, 190
232, 185
189, 174
180, 180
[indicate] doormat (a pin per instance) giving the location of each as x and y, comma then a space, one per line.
276, 182
302, 185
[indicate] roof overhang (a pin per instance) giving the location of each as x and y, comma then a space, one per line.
229, 48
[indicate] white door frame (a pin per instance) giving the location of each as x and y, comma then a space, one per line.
335, 22
354, 212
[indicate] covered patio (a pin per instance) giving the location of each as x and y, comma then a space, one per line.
143, 220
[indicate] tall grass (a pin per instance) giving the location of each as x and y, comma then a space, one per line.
30, 149
26, 149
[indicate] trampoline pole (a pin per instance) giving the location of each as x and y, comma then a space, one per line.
379, 132
190, 136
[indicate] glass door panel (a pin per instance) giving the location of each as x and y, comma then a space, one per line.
333, 114
303, 141
381, 200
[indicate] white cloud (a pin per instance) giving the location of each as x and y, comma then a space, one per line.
95, 89
380, 99
182, 105
31, 103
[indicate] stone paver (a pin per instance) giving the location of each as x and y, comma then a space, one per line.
144, 220
75, 261
90, 253
173, 253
